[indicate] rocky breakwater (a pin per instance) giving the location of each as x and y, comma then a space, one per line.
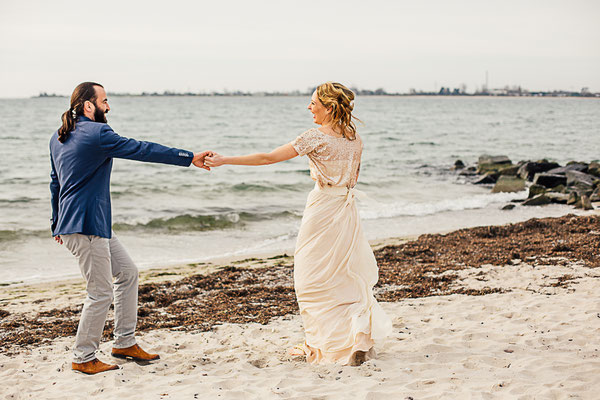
576, 183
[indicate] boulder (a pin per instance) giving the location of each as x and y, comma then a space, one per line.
487, 159
534, 190
594, 169
573, 166
584, 203
538, 200
560, 198
549, 180
530, 168
510, 170
489, 163
595, 195
509, 184
487, 178
573, 198
580, 180
458, 164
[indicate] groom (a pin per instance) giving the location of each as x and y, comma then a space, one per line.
81, 156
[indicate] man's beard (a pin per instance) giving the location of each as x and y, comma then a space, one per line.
99, 115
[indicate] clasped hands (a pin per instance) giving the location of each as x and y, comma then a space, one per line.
207, 159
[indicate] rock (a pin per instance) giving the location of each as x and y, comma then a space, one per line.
458, 164
487, 159
549, 180
508, 207
560, 198
596, 195
510, 170
487, 178
539, 200
508, 184
594, 169
559, 189
580, 180
488, 163
535, 190
572, 166
573, 197
530, 168
584, 203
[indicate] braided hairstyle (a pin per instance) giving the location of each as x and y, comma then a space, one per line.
341, 101
85, 91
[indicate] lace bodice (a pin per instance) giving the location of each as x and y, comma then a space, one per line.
333, 161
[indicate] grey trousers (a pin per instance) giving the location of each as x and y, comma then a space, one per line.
101, 260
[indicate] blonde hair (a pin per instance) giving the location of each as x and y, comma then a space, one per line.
341, 101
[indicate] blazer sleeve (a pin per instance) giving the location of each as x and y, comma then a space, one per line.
116, 146
54, 194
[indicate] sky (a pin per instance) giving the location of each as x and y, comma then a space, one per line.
264, 45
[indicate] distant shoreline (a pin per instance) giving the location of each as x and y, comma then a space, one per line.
361, 93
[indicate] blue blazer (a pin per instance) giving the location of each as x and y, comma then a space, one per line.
81, 168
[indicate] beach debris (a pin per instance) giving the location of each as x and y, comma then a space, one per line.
421, 268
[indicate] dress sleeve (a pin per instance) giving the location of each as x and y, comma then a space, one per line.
306, 142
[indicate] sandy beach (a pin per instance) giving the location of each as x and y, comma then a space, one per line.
499, 312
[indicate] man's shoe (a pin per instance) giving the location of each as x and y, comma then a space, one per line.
93, 367
135, 353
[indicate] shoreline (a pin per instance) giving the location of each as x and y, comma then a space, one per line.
72, 290
188, 295
392, 230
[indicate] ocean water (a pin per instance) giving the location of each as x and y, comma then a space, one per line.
168, 215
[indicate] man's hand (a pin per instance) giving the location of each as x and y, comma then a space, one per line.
215, 160
58, 239
198, 160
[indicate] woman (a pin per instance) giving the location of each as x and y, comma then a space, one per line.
335, 269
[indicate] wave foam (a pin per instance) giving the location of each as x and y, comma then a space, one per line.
381, 210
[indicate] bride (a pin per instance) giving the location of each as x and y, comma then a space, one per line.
334, 267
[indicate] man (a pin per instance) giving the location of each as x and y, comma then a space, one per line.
81, 154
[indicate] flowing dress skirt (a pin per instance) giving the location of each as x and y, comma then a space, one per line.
334, 274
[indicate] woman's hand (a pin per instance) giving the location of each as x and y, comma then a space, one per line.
215, 160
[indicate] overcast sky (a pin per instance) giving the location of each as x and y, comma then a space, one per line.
253, 45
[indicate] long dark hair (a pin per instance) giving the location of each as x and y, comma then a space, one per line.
83, 92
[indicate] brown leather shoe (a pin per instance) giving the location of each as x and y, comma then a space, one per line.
93, 367
135, 353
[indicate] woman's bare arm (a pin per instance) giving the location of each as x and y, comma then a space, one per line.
281, 153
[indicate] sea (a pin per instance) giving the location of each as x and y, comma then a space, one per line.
167, 215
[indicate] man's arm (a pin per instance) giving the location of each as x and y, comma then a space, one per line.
117, 146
